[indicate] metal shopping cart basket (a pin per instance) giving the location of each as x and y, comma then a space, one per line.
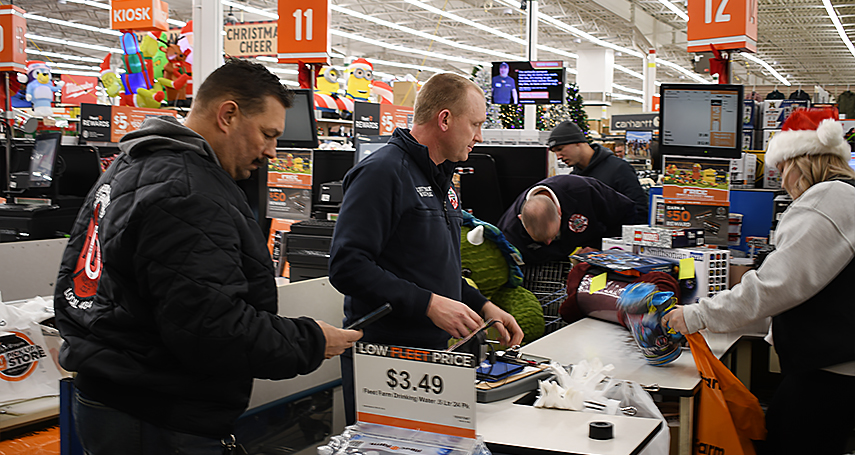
548, 282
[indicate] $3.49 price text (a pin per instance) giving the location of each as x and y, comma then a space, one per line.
403, 380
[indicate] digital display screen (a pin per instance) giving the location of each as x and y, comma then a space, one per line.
701, 117
300, 127
42, 161
528, 82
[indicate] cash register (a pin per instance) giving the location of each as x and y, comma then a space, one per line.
47, 183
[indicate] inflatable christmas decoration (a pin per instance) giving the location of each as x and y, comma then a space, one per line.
40, 87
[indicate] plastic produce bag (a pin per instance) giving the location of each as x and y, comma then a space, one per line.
26, 367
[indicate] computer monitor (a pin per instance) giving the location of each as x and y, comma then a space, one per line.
365, 145
516, 168
43, 160
78, 168
300, 127
701, 120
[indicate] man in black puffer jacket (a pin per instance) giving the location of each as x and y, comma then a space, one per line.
166, 297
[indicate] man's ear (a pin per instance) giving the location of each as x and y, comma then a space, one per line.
444, 119
227, 111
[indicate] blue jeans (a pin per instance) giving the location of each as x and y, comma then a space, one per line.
105, 431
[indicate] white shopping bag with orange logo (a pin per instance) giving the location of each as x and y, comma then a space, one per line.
26, 367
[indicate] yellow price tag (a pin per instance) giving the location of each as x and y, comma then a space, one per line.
687, 268
597, 283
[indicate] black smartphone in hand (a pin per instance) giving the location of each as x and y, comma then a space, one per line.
362, 322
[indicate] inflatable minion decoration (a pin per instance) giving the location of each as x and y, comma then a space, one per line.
359, 81
327, 81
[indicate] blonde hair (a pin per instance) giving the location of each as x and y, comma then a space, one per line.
442, 91
537, 215
815, 169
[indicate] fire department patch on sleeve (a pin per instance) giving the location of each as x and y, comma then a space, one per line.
452, 197
578, 223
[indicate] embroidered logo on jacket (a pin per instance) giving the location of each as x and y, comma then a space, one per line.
452, 197
578, 223
424, 191
87, 272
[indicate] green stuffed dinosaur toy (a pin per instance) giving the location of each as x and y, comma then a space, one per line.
491, 264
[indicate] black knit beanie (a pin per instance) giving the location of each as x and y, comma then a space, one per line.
566, 132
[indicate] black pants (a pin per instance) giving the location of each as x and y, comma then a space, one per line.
812, 412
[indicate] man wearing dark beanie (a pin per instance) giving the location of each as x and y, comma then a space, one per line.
571, 146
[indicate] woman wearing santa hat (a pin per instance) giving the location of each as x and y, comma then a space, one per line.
805, 285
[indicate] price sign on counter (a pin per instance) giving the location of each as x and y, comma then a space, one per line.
419, 389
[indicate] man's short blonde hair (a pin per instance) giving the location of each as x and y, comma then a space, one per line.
538, 215
442, 91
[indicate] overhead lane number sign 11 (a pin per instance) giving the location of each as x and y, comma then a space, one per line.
304, 31
417, 389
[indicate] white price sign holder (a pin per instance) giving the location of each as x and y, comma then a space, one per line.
418, 389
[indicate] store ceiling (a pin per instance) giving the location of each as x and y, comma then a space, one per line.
796, 37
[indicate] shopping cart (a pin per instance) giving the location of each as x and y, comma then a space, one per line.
548, 282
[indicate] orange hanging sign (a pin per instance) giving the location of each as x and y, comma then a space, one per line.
304, 31
142, 15
13, 46
727, 24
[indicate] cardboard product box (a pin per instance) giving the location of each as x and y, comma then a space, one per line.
771, 178
712, 270
663, 237
617, 243
742, 171
752, 114
776, 111
767, 136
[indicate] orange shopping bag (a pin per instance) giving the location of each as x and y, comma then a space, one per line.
729, 416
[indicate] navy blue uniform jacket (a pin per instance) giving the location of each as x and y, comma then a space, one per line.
397, 240
590, 210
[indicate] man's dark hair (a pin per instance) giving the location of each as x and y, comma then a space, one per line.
244, 82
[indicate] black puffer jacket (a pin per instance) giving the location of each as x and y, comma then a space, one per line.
166, 297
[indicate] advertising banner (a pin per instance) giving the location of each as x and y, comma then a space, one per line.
289, 184
79, 89
251, 39
697, 195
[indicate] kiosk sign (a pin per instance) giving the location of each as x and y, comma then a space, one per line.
418, 389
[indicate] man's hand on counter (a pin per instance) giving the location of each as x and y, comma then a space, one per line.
508, 328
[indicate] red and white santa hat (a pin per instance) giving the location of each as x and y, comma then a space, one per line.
105, 65
814, 131
362, 63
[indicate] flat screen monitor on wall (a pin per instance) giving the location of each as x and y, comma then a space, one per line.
701, 120
300, 127
528, 82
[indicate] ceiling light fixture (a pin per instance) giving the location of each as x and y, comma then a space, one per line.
765, 65
836, 21
64, 56
89, 28
63, 42
424, 35
249, 9
407, 50
675, 10
627, 89
73, 66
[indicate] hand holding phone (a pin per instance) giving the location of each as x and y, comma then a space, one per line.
486, 325
369, 318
